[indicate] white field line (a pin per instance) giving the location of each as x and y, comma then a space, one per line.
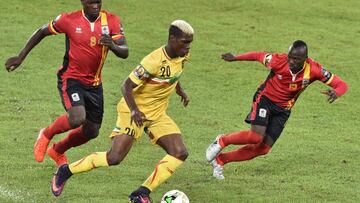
16, 195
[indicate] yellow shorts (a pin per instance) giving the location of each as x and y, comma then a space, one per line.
155, 129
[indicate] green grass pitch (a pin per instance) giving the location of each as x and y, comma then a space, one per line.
315, 160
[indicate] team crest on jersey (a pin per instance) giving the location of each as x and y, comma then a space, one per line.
279, 77
105, 30
292, 86
325, 73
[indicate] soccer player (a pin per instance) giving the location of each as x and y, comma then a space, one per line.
90, 33
146, 94
289, 76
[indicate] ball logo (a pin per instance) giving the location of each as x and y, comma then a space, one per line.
175, 196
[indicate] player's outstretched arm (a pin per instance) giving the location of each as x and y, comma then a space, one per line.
339, 88
118, 47
228, 57
180, 91
249, 56
127, 90
14, 62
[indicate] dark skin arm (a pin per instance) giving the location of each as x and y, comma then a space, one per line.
127, 90
118, 47
13, 62
179, 91
331, 95
229, 57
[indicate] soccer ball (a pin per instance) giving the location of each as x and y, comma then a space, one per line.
175, 196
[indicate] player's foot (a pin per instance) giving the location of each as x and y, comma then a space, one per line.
218, 170
213, 150
60, 159
58, 181
140, 195
40, 146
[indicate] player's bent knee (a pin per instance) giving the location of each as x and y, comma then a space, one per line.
263, 149
76, 121
91, 133
114, 159
180, 154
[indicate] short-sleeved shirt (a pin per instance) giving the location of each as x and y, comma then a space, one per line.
84, 56
283, 87
156, 77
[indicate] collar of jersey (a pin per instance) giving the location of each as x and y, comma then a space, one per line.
83, 14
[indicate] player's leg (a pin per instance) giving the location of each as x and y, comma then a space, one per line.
259, 118
166, 134
275, 126
122, 139
120, 147
72, 99
89, 129
76, 137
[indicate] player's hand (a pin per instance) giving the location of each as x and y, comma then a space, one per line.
138, 117
106, 40
228, 57
12, 63
331, 95
184, 98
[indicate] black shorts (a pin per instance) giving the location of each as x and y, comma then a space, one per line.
266, 113
73, 93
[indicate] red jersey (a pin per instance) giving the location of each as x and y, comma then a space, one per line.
84, 56
283, 87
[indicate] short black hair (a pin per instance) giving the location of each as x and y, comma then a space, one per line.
173, 30
299, 44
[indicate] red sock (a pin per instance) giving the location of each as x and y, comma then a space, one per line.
60, 125
240, 138
247, 152
75, 138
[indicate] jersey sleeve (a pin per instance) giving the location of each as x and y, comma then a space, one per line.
58, 25
262, 57
116, 28
331, 80
147, 69
322, 74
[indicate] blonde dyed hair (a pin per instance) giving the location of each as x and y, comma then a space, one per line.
183, 26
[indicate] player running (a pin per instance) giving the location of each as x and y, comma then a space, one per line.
146, 93
289, 76
90, 33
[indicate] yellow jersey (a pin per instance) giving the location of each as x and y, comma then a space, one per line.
156, 77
